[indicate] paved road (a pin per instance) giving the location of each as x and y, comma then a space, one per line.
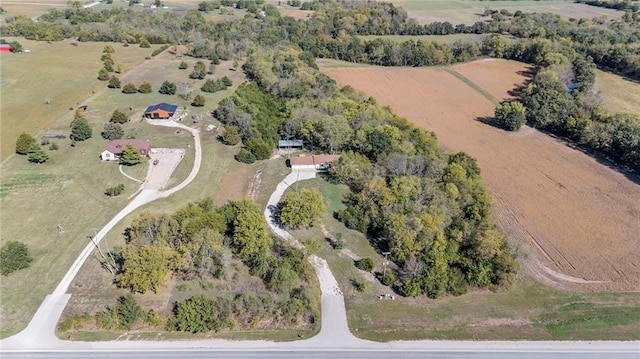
322, 354
40, 333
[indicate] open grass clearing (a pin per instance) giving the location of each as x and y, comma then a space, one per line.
618, 93
58, 71
528, 311
577, 216
470, 11
68, 189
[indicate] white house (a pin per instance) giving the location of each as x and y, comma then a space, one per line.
113, 149
313, 162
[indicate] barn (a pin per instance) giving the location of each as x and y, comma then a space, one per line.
313, 162
113, 149
5, 48
161, 111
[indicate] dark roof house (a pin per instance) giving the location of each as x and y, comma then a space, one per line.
113, 149
160, 111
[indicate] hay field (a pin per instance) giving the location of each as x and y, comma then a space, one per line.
618, 93
577, 217
470, 11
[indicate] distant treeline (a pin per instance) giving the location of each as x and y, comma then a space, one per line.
613, 4
544, 40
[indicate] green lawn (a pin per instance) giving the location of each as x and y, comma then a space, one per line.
470, 11
68, 189
60, 72
528, 311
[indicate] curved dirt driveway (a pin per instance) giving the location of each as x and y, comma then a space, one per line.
41, 329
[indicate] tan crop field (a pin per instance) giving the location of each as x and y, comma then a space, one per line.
577, 217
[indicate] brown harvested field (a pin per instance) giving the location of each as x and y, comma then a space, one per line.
579, 218
497, 77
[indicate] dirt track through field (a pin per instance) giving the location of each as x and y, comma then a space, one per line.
579, 218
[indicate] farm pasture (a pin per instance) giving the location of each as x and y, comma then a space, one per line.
68, 189
57, 71
618, 94
470, 11
579, 218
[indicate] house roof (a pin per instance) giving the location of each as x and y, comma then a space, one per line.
290, 143
161, 106
312, 160
116, 146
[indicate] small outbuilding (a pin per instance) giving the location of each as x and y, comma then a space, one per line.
290, 144
313, 162
161, 111
113, 149
6, 48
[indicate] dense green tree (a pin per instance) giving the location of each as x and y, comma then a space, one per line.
114, 82
112, 131
213, 86
108, 49
24, 142
147, 267
231, 135
129, 311
103, 74
250, 237
245, 156
183, 65
130, 156
366, 264
301, 208
37, 154
114, 191
201, 314
14, 256
167, 88
129, 88
510, 115
144, 43
145, 87
16, 47
119, 117
199, 71
198, 101
80, 129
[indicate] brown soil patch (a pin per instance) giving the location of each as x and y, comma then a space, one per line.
235, 184
497, 77
580, 218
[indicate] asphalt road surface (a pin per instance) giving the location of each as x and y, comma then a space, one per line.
299, 354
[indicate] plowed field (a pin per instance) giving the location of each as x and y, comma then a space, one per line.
575, 220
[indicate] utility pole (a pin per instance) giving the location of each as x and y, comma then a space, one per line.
385, 264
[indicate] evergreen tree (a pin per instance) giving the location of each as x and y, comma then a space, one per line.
130, 156
80, 129
145, 87
37, 154
112, 131
198, 101
103, 74
114, 82
167, 88
129, 88
119, 117
14, 256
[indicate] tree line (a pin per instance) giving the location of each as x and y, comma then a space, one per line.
199, 243
427, 207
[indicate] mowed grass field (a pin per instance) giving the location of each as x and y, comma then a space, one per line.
470, 11
618, 93
567, 212
58, 71
528, 311
68, 189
